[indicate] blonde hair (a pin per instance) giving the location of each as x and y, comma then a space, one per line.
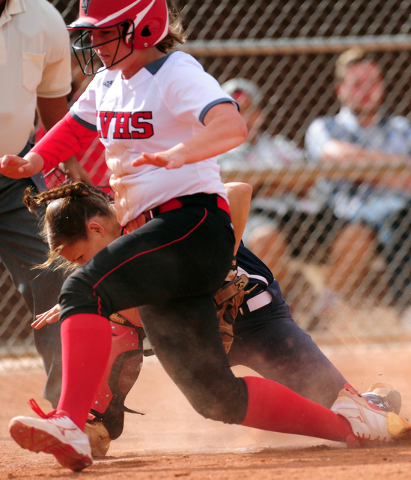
350, 57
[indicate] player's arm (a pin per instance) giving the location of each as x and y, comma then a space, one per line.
53, 316
239, 198
59, 144
13, 166
224, 129
321, 146
338, 151
51, 111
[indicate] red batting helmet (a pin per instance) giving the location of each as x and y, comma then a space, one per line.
141, 23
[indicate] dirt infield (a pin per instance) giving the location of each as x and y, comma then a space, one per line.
172, 441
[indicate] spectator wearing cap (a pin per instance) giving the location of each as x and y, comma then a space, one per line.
260, 150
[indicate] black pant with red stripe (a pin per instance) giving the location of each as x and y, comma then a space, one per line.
170, 268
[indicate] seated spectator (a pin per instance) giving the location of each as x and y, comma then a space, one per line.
369, 215
260, 150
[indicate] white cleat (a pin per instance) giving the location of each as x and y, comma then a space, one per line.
55, 433
368, 422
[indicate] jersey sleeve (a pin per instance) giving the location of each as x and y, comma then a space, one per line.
190, 92
62, 141
85, 108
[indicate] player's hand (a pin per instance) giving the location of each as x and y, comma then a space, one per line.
162, 159
16, 167
51, 316
74, 171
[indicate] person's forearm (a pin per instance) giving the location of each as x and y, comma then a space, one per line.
344, 152
239, 198
224, 130
222, 133
51, 110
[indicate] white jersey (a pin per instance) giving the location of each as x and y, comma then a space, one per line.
161, 106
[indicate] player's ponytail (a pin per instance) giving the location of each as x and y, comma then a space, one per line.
68, 208
62, 191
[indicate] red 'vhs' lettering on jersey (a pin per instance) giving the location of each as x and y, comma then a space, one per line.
147, 128
122, 125
105, 119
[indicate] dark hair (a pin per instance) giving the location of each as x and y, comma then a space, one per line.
176, 33
69, 207
350, 57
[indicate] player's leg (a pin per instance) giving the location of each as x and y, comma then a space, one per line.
273, 345
269, 342
160, 260
282, 353
21, 248
179, 253
185, 337
197, 364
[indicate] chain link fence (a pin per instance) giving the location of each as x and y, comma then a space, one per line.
335, 231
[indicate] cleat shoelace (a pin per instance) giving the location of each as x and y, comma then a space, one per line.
35, 407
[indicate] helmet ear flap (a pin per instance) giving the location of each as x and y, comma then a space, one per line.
148, 30
151, 28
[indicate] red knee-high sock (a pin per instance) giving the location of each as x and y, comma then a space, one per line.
86, 345
271, 406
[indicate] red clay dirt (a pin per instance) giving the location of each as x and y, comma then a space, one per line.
173, 441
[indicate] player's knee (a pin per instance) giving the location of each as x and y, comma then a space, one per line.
228, 405
76, 292
217, 412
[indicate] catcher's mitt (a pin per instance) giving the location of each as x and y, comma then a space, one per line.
227, 300
99, 438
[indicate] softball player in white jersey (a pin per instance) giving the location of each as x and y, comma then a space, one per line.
162, 120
